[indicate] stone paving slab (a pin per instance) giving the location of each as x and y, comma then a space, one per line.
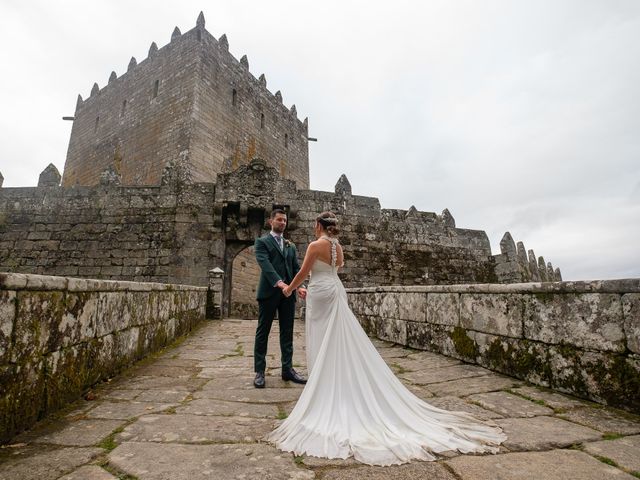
417, 365
315, 462
469, 386
165, 396
206, 406
433, 358
158, 370
162, 383
424, 375
236, 362
170, 359
624, 451
388, 353
203, 354
218, 372
455, 404
550, 399
89, 472
509, 405
126, 410
46, 464
544, 433
264, 395
220, 418
206, 462
245, 382
121, 394
80, 433
414, 470
551, 465
195, 429
604, 420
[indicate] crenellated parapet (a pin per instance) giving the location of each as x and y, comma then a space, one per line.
515, 265
178, 230
190, 94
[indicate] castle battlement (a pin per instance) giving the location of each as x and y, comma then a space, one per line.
190, 97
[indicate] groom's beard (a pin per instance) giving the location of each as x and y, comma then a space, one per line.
278, 229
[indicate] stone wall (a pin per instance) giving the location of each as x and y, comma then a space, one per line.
581, 338
59, 336
179, 230
190, 99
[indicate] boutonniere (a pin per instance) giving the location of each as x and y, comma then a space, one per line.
288, 243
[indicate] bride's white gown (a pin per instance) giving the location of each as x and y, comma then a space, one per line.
354, 405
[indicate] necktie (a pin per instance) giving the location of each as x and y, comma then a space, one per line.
279, 239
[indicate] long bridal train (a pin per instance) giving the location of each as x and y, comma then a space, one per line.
353, 404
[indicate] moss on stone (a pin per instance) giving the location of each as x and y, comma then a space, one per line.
544, 297
618, 382
518, 359
465, 346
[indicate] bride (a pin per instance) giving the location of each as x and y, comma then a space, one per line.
352, 403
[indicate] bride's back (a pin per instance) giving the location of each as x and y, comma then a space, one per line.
323, 245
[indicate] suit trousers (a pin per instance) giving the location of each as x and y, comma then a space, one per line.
267, 308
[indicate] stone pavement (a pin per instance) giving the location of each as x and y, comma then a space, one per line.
191, 412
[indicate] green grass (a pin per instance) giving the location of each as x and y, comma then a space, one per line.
109, 442
607, 460
399, 368
299, 459
527, 397
611, 436
282, 414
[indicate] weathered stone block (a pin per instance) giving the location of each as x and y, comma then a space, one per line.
499, 314
588, 320
38, 315
601, 376
392, 330
631, 313
80, 317
405, 306
7, 319
67, 375
126, 344
434, 338
22, 388
443, 308
114, 312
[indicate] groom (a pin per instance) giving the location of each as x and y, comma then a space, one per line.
278, 263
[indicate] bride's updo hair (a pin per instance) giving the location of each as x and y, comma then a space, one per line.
329, 222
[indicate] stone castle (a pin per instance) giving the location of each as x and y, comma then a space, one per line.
172, 171
190, 98
162, 183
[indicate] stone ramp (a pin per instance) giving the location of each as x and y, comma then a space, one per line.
191, 412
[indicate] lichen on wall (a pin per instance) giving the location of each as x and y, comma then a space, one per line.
59, 336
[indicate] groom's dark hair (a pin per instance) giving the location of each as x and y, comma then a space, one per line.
277, 211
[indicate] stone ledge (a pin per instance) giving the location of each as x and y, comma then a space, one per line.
24, 281
625, 285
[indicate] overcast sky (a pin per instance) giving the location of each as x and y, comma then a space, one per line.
515, 115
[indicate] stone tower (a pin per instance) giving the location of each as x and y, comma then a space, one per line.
189, 100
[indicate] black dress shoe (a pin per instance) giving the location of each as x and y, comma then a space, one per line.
259, 380
290, 374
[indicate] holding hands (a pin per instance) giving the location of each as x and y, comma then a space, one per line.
288, 291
